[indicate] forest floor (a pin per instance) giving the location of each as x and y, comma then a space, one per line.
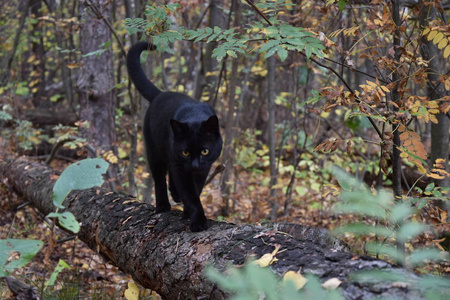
90, 277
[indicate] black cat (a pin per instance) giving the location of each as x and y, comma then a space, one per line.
182, 137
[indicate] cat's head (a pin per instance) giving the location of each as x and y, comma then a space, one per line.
196, 144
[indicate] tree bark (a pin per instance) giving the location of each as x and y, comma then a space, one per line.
96, 80
271, 136
436, 91
160, 252
228, 147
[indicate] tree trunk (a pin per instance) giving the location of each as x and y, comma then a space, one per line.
228, 147
37, 80
207, 77
431, 53
96, 80
160, 252
6, 61
271, 136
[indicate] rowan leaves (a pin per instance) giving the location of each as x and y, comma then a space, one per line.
439, 38
423, 108
412, 148
329, 146
438, 171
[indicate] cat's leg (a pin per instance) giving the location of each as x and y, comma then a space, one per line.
195, 208
173, 190
186, 185
159, 177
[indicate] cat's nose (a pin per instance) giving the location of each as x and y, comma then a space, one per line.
195, 164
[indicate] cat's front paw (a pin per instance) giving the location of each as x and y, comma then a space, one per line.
199, 225
162, 208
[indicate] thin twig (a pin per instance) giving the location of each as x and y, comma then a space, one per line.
219, 169
259, 12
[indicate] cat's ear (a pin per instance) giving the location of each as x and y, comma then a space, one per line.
179, 129
211, 125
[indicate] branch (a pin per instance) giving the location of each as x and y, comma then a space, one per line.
349, 88
259, 11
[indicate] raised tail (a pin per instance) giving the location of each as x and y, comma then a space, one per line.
137, 75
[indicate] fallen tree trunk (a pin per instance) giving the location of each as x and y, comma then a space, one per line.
160, 252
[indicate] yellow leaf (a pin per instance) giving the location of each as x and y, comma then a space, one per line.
74, 65
384, 88
371, 83
447, 51
433, 119
442, 43
421, 169
425, 32
432, 35
132, 292
31, 59
268, 258
404, 155
297, 279
35, 140
265, 260
331, 284
438, 38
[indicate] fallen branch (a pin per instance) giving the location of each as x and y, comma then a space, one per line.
160, 252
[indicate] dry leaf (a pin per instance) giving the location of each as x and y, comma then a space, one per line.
132, 292
331, 284
296, 278
268, 258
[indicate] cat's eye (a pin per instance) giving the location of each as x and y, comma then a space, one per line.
205, 152
185, 153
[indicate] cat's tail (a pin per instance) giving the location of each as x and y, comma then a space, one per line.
136, 73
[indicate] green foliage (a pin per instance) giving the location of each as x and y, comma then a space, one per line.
15, 253
5, 113
253, 282
278, 37
67, 220
432, 287
21, 133
58, 269
396, 221
81, 175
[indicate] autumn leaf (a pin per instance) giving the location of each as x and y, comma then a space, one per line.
268, 258
296, 278
132, 292
331, 284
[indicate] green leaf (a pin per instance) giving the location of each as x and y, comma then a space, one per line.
84, 174
282, 53
401, 211
377, 276
58, 269
173, 6
66, 220
272, 32
342, 4
364, 229
26, 250
419, 257
269, 45
384, 249
410, 230
5, 116
435, 287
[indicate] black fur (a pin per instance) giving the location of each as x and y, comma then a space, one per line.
182, 138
